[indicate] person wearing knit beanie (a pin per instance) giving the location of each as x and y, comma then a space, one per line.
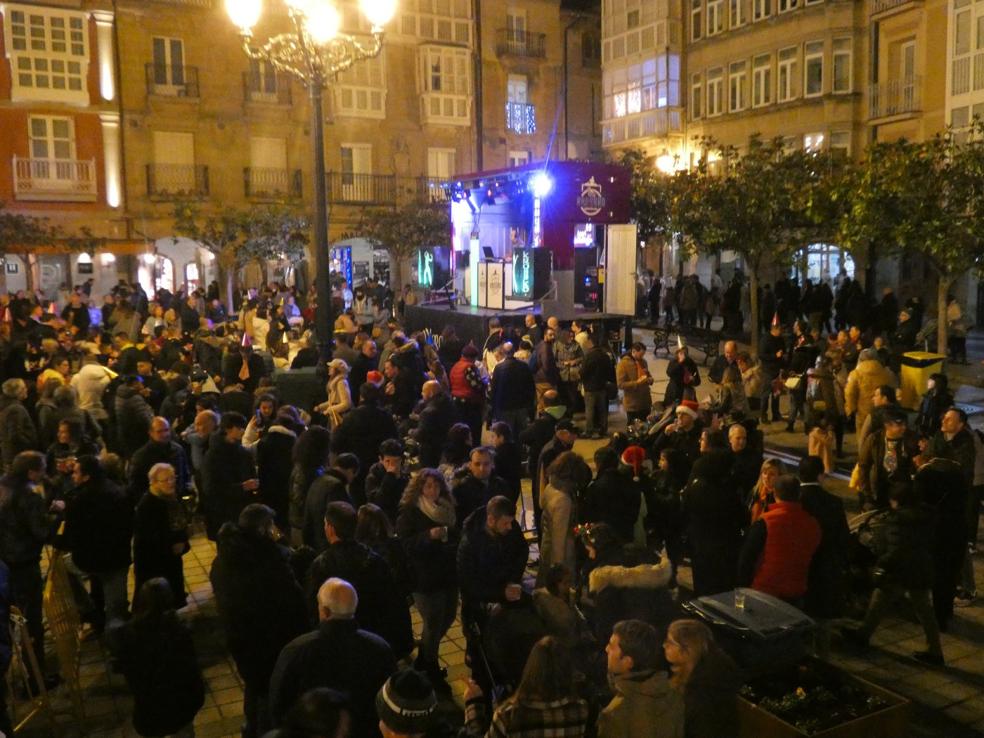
406, 704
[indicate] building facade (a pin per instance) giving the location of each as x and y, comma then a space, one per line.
165, 88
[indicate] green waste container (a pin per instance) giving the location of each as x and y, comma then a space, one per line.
917, 366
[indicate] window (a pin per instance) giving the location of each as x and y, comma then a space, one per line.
761, 9
813, 142
262, 78
736, 11
762, 80
632, 19
840, 143
715, 16
961, 33
518, 158
647, 85
445, 81
980, 32
842, 65
696, 19
361, 90
169, 69
960, 117
445, 20
907, 61
786, 5
715, 91
696, 96
51, 138
516, 88
174, 163
441, 163
590, 49
48, 51
737, 87
357, 182
268, 153
787, 74
813, 69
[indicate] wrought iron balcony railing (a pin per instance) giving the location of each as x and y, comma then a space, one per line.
177, 180
895, 97
519, 42
265, 183
172, 80
261, 88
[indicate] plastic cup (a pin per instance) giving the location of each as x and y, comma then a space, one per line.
740, 600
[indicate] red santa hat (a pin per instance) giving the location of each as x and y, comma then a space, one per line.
688, 407
374, 377
634, 457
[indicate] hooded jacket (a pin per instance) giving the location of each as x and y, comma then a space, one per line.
644, 706
868, 376
639, 592
273, 468
133, 416
17, 432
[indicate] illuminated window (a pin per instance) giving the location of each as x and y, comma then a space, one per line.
48, 51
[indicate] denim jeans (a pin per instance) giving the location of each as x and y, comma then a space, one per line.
437, 612
596, 411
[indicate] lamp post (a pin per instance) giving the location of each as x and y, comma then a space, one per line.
314, 51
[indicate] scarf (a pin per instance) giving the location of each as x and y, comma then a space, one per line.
440, 512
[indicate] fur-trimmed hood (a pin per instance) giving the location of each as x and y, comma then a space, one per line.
644, 576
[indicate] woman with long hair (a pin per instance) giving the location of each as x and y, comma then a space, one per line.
566, 476
310, 459
763, 493
706, 678
546, 702
457, 450
157, 656
428, 528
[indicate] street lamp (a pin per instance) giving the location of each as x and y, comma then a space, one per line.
315, 51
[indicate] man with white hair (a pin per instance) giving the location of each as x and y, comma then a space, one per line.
338, 655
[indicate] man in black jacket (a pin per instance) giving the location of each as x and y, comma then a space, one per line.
332, 486
512, 392
339, 655
260, 604
382, 608
827, 586
98, 529
479, 485
362, 430
772, 357
597, 373
160, 449
387, 479
435, 416
229, 475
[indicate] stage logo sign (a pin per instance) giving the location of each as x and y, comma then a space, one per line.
591, 201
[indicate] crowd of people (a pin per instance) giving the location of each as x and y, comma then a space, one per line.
393, 478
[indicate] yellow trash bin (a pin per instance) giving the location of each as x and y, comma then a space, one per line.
917, 366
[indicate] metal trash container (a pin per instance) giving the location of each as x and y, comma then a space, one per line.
766, 635
916, 368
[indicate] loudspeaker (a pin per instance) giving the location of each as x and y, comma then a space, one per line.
542, 271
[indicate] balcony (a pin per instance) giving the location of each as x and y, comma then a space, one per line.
172, 80
383, 189
170, 181
647, 124
517, 42
884, 6
59, 180
264, 183
361, 189
521, 118
895, 97
258, 88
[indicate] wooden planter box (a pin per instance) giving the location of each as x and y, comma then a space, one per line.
889, 722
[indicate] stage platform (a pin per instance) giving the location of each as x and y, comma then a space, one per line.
472, 323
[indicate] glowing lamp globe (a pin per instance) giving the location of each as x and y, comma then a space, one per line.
244, 13
378, 12
322, 21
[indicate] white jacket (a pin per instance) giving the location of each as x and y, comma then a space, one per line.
89, 384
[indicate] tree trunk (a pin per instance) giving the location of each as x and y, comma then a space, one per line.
228, 275
396, 274
28, 272
942, 290
754, 309
871, 274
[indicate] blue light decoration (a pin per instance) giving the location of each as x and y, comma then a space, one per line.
521, 118
541, 184
522, 274
341, 262
425, 268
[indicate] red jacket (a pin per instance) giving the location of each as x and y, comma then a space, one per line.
791, 538
466, 382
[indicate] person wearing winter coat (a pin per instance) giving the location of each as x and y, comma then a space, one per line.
826, 592
382, 608
634, 379
937, 400
339, 399
260, 603
507, 459
772, 360
387, 479
362, 430
160, 534
707, 679
309, 459
97, 532
429, 530
17, 431
566, 476
229, 475
862, 383
332, 486
158, 659
597, 374
435, 418
613, 497
644, 705
714, 517
636, 587
886, 456
159, 449
512, 391
133, 415
273, 462
902, 545
684, 378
